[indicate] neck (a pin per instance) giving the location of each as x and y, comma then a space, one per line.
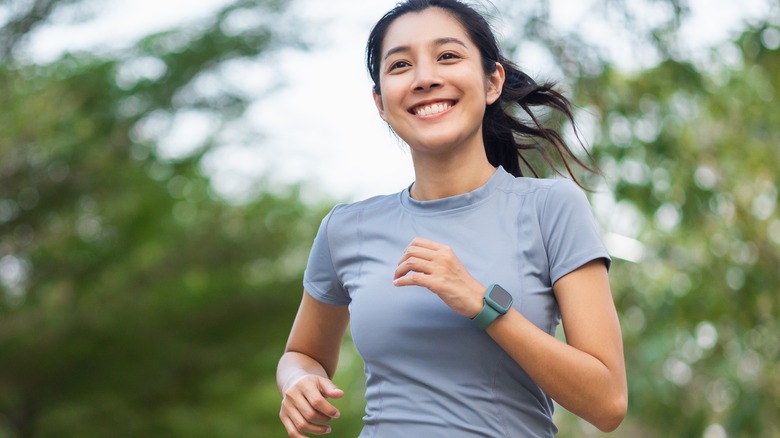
437, 178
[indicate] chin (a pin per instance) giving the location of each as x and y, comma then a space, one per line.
432, 145
441, 143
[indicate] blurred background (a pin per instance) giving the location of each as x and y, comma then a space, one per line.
165, 165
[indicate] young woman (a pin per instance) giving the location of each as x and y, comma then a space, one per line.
454, 287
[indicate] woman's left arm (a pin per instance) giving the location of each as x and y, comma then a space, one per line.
587, 373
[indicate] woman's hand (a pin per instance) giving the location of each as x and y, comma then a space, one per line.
435, 266
305, 408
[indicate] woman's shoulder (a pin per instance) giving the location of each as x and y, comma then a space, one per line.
346, 213
345, 218
546, 196
525, 186
372, 203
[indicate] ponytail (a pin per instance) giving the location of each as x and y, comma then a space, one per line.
510, 140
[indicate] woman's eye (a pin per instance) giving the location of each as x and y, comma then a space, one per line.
448, 55
399, 64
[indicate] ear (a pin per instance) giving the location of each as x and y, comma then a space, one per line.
495, 83
379, 105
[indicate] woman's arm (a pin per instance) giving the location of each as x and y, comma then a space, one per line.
305, 370
587, 374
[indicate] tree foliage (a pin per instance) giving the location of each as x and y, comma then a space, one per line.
688, 147
687, 141
691, 148
135, 301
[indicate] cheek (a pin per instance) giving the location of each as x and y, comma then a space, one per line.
392, 97
472, 81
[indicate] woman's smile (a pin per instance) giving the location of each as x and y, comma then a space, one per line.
432, 108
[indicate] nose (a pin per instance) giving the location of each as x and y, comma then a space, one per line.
426, 77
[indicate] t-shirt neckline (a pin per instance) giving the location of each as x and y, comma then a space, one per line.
454, 202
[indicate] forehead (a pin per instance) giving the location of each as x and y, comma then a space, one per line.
422, 28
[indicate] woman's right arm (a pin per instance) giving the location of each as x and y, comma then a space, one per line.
307, 366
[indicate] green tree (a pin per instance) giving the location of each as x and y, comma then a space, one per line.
134, 300
687, 142
690, 148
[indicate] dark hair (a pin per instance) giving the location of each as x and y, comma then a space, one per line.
507, 138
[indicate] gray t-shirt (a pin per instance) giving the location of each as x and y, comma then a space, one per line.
429, 371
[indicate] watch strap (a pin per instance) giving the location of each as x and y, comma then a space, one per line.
486, 316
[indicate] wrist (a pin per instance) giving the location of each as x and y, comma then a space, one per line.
477, 302
293, 379
496, 303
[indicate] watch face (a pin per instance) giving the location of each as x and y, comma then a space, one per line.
500, 296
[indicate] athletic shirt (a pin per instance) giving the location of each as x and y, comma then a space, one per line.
429, 371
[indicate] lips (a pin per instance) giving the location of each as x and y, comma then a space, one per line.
430, 108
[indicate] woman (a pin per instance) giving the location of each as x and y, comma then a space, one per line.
454, 287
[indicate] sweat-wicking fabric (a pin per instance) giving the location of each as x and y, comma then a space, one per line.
429, 371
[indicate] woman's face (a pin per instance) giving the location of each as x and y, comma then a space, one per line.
433, 88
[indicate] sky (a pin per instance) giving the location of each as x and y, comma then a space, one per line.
319, 123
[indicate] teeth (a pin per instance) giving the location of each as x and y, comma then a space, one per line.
432, 109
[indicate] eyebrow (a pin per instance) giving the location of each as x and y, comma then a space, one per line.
436, 42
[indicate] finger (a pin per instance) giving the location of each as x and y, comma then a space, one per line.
292, 431
430, 250
417, 251
304, 418
296, 426
308, 411
413, 264
425, 243
318, 403
301, 405
311, 391
330, 390
413, 280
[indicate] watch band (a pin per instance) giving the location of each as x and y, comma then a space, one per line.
486, 316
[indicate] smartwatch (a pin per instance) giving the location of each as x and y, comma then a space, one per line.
497, 302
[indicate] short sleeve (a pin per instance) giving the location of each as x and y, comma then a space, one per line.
569, 230
320, 279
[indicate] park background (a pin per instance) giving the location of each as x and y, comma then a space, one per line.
159, 193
